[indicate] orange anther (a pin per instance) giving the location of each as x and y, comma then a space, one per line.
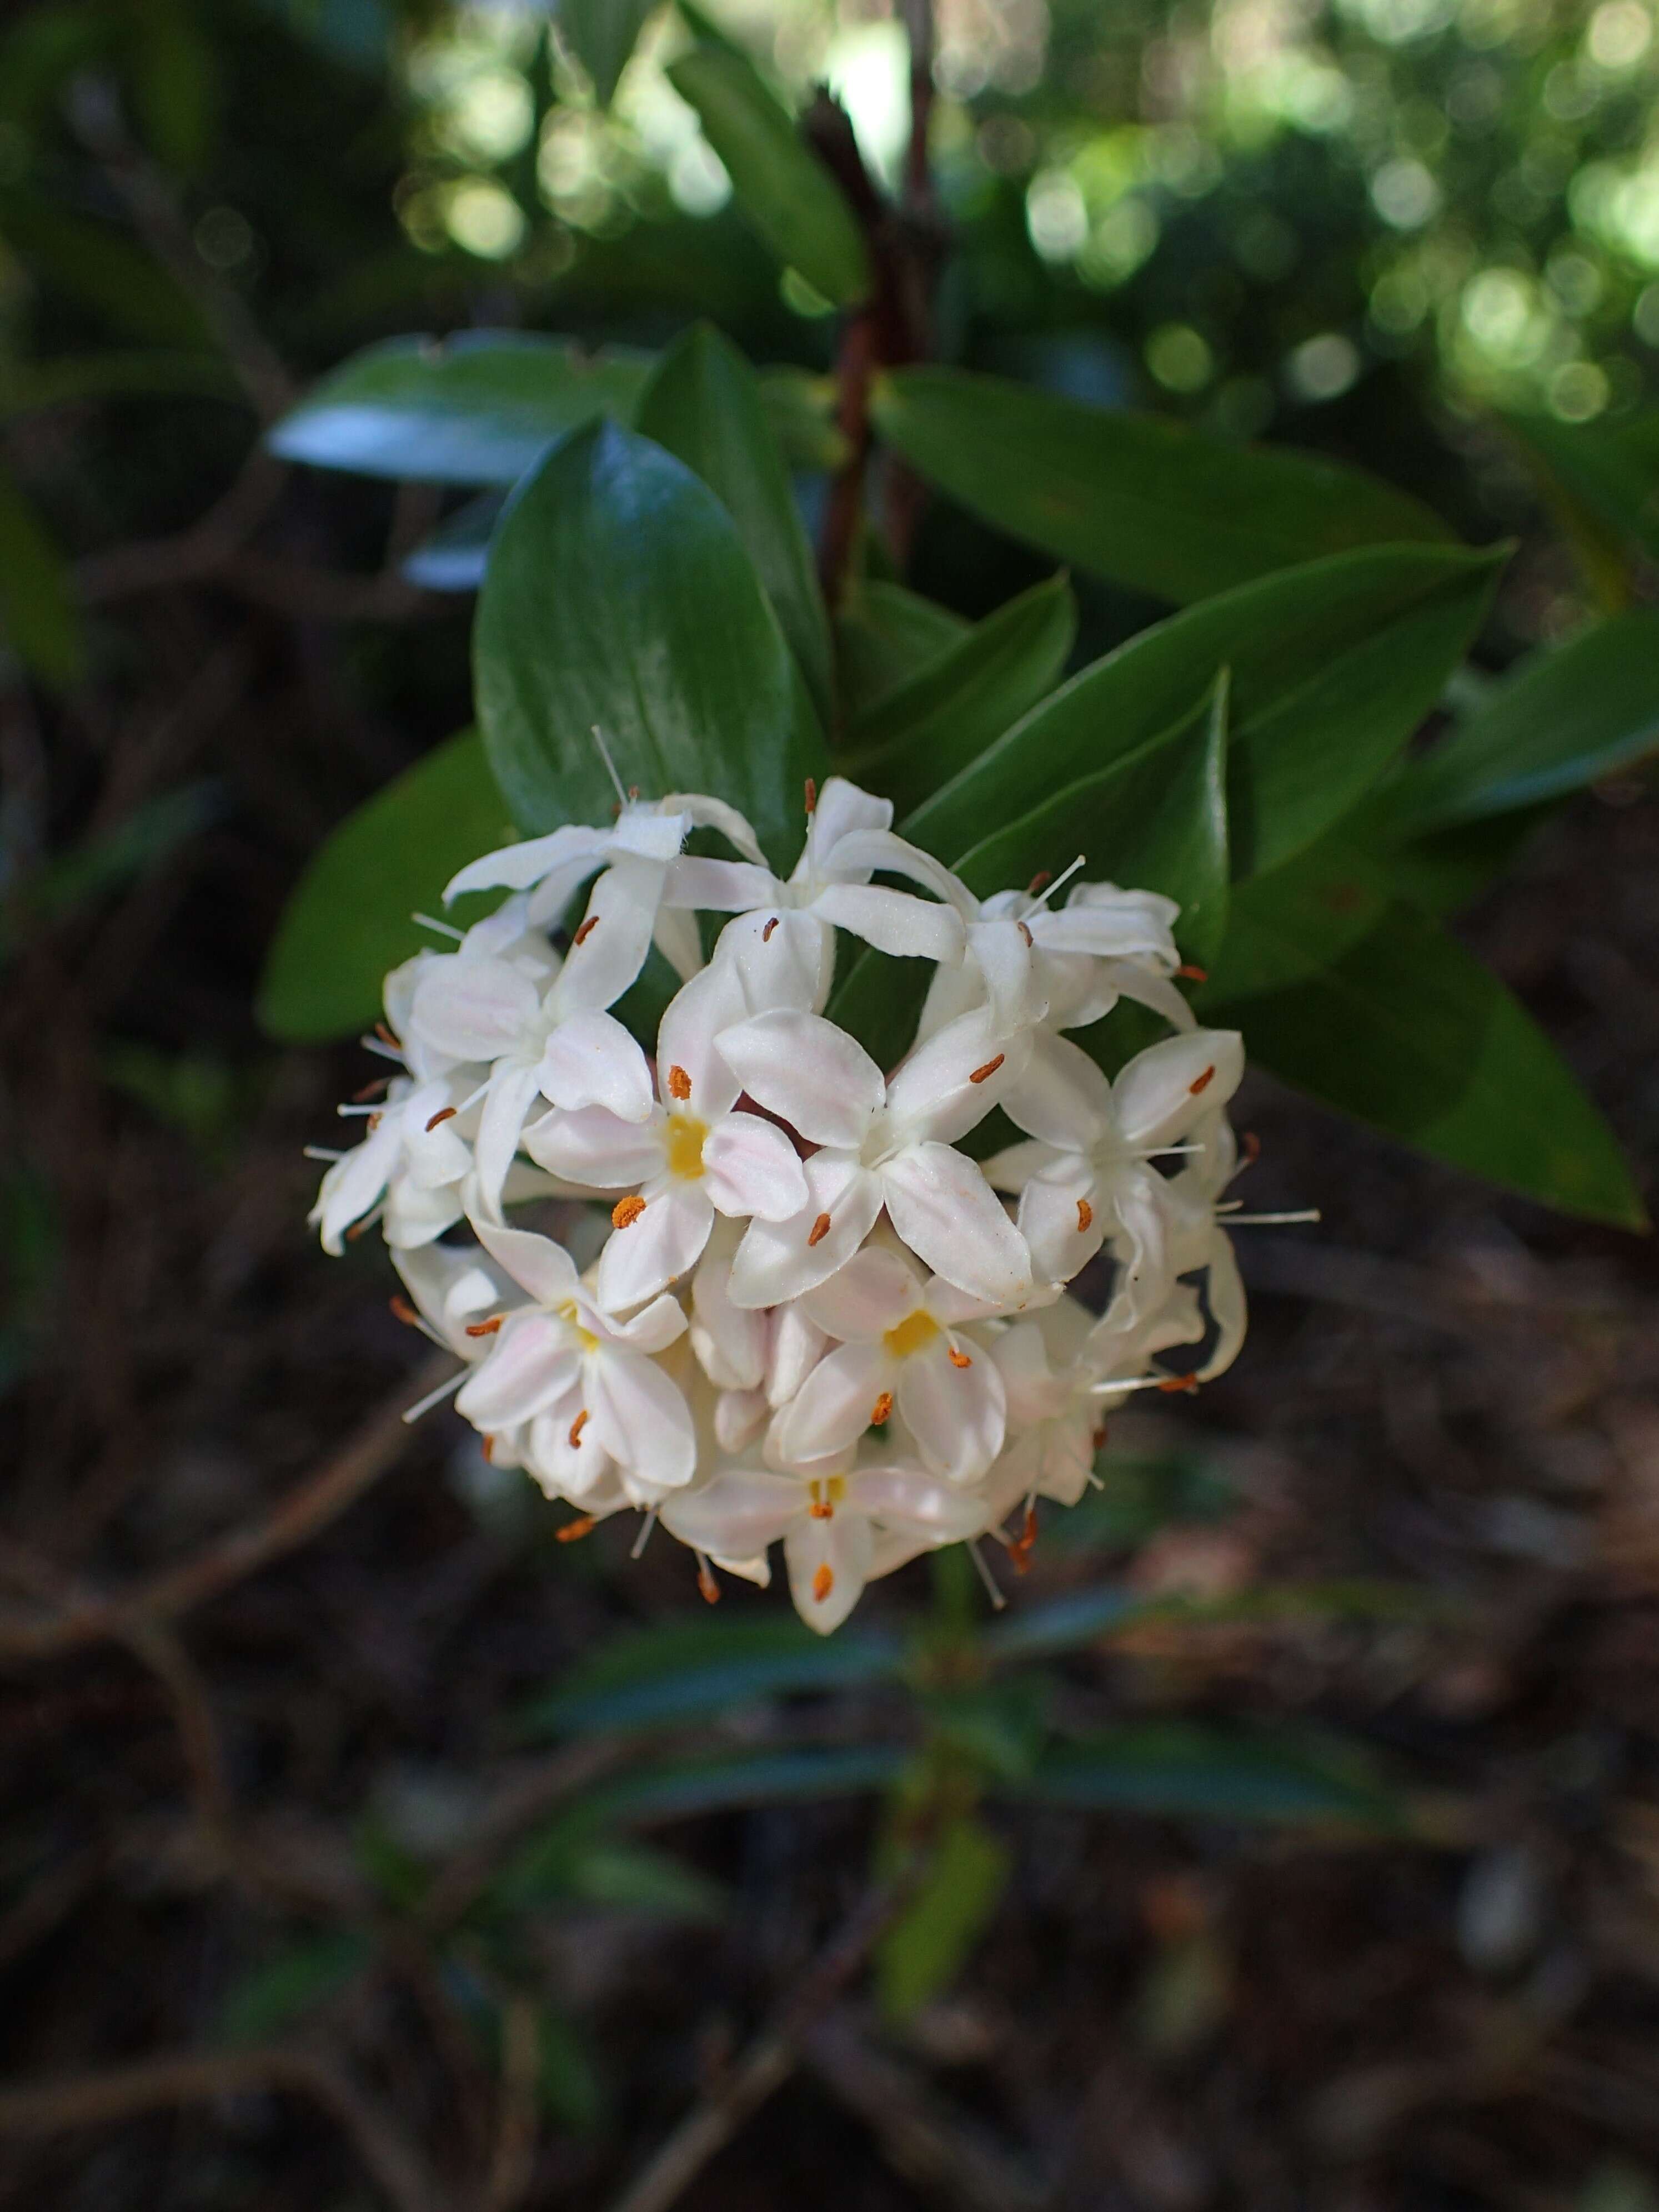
1173, 1383
405, 1313
957, 1358
819, 1230
1020, 1550
1085, 1214
574, 1531
1098, 1441
708, 1588
370, 1090
374, 1122
1203, 1082
443, 1114
1040, 882
485, 1328
487, 1448
812, 795
359, 1229
821, 1509
576, 1428
627, 1209
981, 1074
822, 1582
766, 934
1192, 973
1026, 934
882, 1410
587, 930
679, 1083
1251, 1145
387, 1037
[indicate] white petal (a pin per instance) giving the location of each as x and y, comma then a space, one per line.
677, 936
909, 1498
1163, 1091
539, 1266
655, 830
707, 813
534, 1362
833, 1408
797, 1344
779, 1260
893, 921
1142, 1239
352, 1185
1062, 1097
749, 1167
414, 1216
691, 1075
719, 886
808, 1073
514, 1088
1013, 1169
591, 1061
731, 1342
739, 1417
947, 1213
473, 1009
955, 1413
786, 958
857, 855
1128, 980
1063, 1219
594, 1148
521, 866
843, 811
654, 1328
656, 1248
828, 1564
1101, 919
737, 1514
640, 1418
608, 950
1014, 987
1227, 1306
872, 1293
948, 1086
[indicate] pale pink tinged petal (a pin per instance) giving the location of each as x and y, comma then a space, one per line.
591, 1061
834, 1405
535, 1263
706, 813
656, 1248
691, 1075
872, 1293
534, 1362
653, 1329
640, 1418
739, 1417
951, 1306
1163, 1091
1142, 1241
948, 1086
414, 1216
433, 1157
749, 1167
1013, 1169
1227, 1306
1131, 981
1065, 1457
677, 936
1013, 986
608, 949
779, 1259
592, 1147
738, 1514
956, 1414
843, 810
731, 1342
655, 831
893, 921
1062, 1099
944, 1209
473, 1009
897, 1547
1021, 1357
352, 1184
1111, 923
786, 960
562, 1442
519, 866
719, 886
909, 1498
1063, 1219
808, 1073
796, 1345
513, 1090
828, 1564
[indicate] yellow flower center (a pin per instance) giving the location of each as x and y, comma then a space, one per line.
567, 1313
825, 1496
685, 1140
914, 1333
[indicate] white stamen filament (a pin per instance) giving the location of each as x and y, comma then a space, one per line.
436, 1397
443, 929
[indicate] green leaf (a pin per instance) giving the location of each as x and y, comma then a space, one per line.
1333, 666
1085, 1616
1560, 720
349, 919
567, 2084
100, 268
1445, 869
284, 1989
679, 1789
780, 184
25, 385
802, 408
1182, 1767
885, 636
107, 861
1609, 471
679, 1668
1295, 921
925, 731
566, 1860
704, 405
618, 595
452, 557
1142, 500
479, 407
929, 1944
40, 618
1408, 1032
602, 35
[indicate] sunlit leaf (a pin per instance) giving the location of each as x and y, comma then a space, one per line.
926, 1948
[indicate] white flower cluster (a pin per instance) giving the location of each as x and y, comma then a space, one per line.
812, 1318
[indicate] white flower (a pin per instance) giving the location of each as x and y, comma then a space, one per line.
691, 1156
757, 1359
411, 1155
1200, 1241
1066, 966
838, 1531
454, 1287
1089, 1176
598, 1410
784, 942
882, 1145
901, 1350
505, 935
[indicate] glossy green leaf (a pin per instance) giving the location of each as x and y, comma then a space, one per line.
348, 921
619, 596
1408, 1032
926, 730
452, 557
680, 1667
931, 1942
781, 186
1444, 869
1560, 720
602, 35
273, 1995
1145, 500
704, 405
1187, 1768
479, 407
40, 618
885, 637
1297, 920
1333, 666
